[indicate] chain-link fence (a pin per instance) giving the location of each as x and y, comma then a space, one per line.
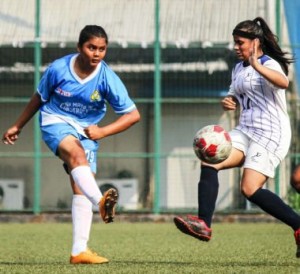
195, 69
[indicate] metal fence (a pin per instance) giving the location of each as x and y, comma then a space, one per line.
177, 88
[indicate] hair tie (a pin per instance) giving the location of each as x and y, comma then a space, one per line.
257, 22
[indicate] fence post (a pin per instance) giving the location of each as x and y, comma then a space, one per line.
157, 112
37, 144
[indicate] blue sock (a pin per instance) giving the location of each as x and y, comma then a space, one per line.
208, 188
272, 204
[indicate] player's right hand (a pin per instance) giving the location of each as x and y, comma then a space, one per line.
11, 135
229, 103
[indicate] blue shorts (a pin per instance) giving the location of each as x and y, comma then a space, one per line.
55, 133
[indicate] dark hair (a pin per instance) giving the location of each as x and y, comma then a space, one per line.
89, 31
295, 179
258, 28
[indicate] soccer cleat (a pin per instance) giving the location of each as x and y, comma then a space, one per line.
88, 257
194, 227
107, 205
297, 239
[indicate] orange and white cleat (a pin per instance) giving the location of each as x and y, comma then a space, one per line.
88, 257
107, 205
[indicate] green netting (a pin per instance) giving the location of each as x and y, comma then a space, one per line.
195, 74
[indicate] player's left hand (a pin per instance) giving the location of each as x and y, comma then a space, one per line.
253, 53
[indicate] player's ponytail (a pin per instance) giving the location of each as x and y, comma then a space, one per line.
270, 46
258, 28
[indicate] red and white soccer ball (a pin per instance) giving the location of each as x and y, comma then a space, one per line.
212, 144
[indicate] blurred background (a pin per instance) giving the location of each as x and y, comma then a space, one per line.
175, 58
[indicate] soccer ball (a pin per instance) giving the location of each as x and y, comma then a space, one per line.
212, 144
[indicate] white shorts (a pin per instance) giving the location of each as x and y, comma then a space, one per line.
256, 156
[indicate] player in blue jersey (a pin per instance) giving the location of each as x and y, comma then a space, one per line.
262, 137
71, 97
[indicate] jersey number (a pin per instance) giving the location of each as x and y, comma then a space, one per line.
90, 156
245, 101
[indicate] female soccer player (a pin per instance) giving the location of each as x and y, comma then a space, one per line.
261, 139
71, 97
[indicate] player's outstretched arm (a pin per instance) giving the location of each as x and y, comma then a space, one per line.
11, 135
122, 123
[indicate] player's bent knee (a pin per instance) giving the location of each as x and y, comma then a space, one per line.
248, 191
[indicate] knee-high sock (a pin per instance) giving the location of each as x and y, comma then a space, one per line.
207, 193
84, 179
272, 204
82, 216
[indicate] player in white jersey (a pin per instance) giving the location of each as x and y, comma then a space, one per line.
264, 116
72, 97
262, 137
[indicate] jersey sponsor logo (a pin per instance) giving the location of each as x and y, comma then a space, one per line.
77, 108
96, 97
63, 92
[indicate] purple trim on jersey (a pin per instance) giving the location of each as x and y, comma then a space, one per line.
264, 58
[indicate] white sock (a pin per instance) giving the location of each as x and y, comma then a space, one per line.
82, 216
84, 179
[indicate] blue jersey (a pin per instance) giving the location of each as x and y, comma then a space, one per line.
80, 102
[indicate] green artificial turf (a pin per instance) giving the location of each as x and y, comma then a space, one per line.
150, 248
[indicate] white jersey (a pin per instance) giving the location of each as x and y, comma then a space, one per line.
263, 116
